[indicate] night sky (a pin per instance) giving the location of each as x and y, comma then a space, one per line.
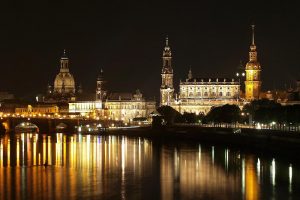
127, 39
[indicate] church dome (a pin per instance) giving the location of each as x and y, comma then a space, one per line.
253, 65
64, 81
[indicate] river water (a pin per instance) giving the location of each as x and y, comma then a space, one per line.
36, 166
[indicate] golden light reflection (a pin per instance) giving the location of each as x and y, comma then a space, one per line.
18, 152
252, 188
49, 158
78, 156
1, 152
102, 164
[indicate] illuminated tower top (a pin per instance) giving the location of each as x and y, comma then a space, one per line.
64, 63
253, 70
253, 63
167, 59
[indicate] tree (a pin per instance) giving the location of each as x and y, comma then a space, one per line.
170, 115
223, 114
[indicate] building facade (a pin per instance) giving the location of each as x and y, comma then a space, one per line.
114, 106
127, 106
253, 70
37, 109
196, 95
64, 84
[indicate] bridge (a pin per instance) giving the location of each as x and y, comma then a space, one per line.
48, 125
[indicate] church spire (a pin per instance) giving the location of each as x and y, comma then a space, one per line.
190, 75
167, 41
253, 69
253, 53
253, 34
64, 56
64, 62
167, 58
166, 88
100, 86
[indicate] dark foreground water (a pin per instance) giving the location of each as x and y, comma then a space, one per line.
35, 166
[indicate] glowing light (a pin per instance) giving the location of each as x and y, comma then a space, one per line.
258, 126
273, 172
243, 176
258, 168
213, 154
290, 173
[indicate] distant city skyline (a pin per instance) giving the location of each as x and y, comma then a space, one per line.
126, 41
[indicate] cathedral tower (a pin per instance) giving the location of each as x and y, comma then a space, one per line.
166, 88
253, 70
100, 92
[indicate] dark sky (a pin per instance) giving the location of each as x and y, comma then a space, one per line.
126, 39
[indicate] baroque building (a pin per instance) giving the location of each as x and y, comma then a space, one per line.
125, 107
196, 95
64, 84
199, 95
253, 70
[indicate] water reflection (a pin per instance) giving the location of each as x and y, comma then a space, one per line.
59, 166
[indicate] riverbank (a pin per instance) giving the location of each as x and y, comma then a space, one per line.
259, 140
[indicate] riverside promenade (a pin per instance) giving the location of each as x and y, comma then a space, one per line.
273, 141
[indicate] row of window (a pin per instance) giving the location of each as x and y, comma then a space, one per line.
206, 94
198, 88
126, 107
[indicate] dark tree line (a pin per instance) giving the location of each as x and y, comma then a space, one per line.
263, 111
223, 114
266, 111
171, 116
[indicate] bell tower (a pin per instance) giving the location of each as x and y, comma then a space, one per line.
253, 70
166, 88
100, 92
64, 63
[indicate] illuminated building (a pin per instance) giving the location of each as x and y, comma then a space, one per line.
127, 106
84, 107
64, 84
114, 106
196, 95
37, 109
253, 69
166, 88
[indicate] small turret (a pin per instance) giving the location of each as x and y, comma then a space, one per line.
190, 75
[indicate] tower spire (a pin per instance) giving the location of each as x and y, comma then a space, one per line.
190, 75
253, 34
166, 89
253, 69
64, 54
167, 41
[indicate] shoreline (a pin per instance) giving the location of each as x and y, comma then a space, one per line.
266, 141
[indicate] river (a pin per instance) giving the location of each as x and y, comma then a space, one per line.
64, 166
